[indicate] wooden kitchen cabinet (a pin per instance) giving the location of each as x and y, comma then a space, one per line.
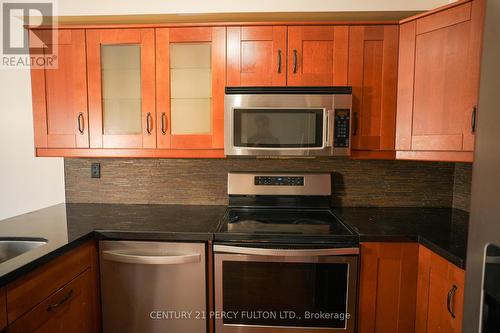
190, 82
3, 309
439, 67
440, 294
59, 93
121, 88
60, 296
256, 56
388, 280
317, 55
373, 63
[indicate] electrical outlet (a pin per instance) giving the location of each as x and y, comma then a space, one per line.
95, 170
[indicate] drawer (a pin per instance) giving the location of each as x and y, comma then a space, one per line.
26, 292
69, 309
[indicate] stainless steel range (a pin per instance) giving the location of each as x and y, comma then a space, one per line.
283, 261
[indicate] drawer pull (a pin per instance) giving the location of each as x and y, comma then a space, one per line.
61, 302
451, 295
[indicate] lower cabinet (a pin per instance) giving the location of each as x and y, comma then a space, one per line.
405, 287
388, 280
440, 294
61, 296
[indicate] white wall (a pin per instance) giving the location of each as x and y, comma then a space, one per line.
26, 183
124, 7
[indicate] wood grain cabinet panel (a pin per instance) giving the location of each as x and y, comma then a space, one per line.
3, 309
256, 56
440, 294
373, 62
387, 290
317, 55
439, 80
190, 105
70, 309
60, 92
121, 88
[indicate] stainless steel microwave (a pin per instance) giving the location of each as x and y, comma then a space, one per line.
287, 121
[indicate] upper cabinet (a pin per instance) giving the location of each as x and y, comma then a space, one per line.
293, 55
373, 66
121, 74
191, 71
60, 94
256, 56
439, 63
317, 55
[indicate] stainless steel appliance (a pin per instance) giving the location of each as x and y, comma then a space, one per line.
153, 287
287, 121
283, 261
482, 280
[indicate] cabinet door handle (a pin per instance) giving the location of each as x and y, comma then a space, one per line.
279, 61
451, 296
473, 119
355, 124
164, 122
61, 302
294, 61
81, 123
148, 123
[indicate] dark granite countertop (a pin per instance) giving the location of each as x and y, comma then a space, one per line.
442, 230
65, 226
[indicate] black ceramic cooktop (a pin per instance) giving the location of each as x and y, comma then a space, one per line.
278, 224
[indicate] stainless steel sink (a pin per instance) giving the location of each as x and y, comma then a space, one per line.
13, 247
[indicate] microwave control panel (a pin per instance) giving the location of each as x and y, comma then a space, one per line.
341, 128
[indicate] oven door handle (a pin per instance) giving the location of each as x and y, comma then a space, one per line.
286, 252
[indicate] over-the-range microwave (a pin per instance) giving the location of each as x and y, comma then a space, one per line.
287, 121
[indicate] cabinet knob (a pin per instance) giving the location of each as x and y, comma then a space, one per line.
279, 61
164, 123
473, 119
61, 302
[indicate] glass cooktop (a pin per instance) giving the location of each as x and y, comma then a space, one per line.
283, 221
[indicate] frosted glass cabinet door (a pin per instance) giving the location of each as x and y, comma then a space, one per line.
121, 88
190, 65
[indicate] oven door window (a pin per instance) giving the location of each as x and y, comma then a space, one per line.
285, 294
279, 128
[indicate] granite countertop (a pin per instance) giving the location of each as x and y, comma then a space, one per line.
65, 226
442, 230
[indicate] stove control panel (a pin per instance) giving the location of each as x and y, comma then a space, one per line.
279, 180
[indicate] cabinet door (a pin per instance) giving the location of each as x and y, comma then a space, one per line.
439, 79
67, 310
3, 309
440, 294
388, 282
60, 94
256, 56
191, 76
121, 75
373, 63
317, 55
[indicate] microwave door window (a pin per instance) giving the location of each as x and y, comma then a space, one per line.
278, 128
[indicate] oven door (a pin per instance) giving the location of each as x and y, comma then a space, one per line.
285, 290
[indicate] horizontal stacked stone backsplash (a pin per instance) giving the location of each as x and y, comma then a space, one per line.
204, 181
462, 186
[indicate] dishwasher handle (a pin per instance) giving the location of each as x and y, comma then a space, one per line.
129, 258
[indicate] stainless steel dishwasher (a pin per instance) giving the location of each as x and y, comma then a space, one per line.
153, 287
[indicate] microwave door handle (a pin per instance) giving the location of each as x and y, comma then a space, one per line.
329, 128
285, 252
